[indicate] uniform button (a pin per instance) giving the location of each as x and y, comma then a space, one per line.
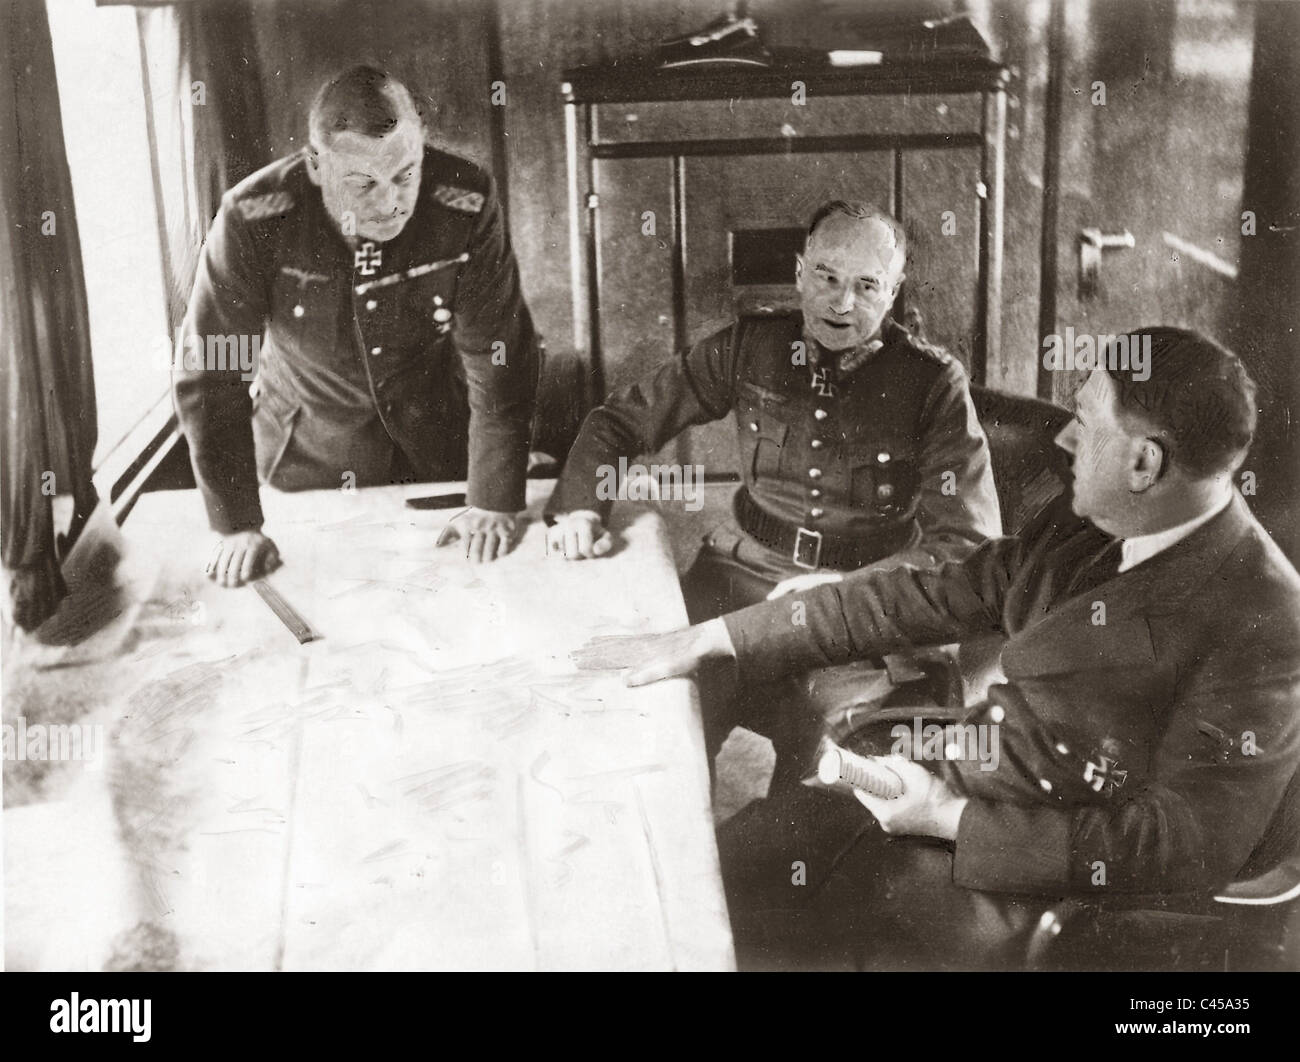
376, 350
814, 473
298, 311
1046, 785
885, 490
883, 457
371, 304
816, 444
996, 713
820, 414
753, 425
437, 300
816, 514
815, 492
1062, 748
442, 316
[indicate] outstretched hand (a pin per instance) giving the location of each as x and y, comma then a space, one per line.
653, 657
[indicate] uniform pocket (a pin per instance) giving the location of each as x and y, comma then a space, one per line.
430, 300
880, 480
305, 309
273, 427
762, 435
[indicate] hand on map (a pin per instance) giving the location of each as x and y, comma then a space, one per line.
487, 535
652, 657
242, 557
577, 536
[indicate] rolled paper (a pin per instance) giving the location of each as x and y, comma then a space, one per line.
862, 772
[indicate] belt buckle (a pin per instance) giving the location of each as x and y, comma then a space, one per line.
807, 543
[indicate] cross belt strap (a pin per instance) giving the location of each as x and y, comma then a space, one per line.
813, 549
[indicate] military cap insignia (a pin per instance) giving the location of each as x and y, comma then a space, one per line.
258, 207
461, 199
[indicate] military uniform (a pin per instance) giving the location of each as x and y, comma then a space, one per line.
415, 357
884, 463
1148, 728
874, 457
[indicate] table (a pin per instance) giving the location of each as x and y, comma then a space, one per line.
429, 786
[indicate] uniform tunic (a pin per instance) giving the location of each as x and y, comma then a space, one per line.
414, 355
889, 457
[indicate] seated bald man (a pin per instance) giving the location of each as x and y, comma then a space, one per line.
1148, 726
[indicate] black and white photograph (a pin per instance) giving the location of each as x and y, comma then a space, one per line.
665, 485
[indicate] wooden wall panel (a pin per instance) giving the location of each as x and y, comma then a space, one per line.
437, 46
636, 314
942, 274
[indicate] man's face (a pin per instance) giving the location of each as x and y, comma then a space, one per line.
1114, 462
847, 278
370, 184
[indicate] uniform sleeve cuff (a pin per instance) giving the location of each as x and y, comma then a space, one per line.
1005, 848
229, 516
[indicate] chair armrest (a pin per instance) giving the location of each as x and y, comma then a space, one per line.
1280, 885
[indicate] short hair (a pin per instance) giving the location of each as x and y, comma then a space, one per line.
361, 99
1197, 397
855, 208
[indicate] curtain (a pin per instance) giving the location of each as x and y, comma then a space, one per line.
208, 122
48, 389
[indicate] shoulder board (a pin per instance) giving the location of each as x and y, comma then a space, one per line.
929, 350
259, 207
925, 349
461, 199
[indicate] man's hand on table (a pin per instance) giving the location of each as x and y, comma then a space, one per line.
926, 805
577, 536
241, 557
487, 535
652, 657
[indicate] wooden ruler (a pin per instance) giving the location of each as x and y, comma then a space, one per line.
285, 612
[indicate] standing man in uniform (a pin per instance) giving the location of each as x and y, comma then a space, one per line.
396, 340
1148, 728
859, 444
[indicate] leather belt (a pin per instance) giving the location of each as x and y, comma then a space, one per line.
805, 547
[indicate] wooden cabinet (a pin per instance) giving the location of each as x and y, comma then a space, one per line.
690, 190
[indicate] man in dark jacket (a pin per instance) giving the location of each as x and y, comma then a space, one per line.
1150, 719
375, 274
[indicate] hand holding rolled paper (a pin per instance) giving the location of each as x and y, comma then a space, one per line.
868, 773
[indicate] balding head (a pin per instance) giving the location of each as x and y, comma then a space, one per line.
366, 153
859, 211
363, 100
